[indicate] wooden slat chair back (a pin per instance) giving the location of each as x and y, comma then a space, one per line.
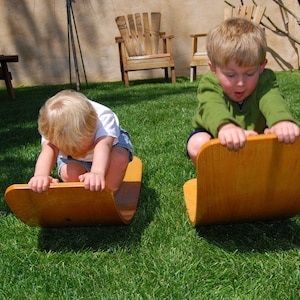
253, 13
259, 182
200, 58
139, 45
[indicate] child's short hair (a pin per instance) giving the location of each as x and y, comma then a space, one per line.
66, 119
237, 39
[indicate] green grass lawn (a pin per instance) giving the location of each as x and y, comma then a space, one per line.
159, 255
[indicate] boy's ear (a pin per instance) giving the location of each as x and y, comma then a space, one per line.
262, 66
212, 67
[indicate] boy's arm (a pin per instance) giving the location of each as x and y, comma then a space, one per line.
276, 111
45, 163
95, 179
213, 107
271, 102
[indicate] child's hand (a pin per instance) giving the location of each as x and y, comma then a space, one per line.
233, 137
41, 183
286, 131
93, 181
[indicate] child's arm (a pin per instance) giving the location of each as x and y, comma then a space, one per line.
45, 163
95, 179
286, 131
233, 136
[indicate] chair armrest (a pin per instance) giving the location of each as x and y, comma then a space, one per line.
198, 35
9, 58
163, 35
119, 39
195, 42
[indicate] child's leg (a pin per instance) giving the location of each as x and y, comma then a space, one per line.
70, 172
121, 155
195, 142
117, 168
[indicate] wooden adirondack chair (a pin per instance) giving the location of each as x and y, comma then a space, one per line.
139, 45
200, 58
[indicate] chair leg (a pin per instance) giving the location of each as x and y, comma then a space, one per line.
126, 78
122, 74
7, 79
192, 73
173, 74
166, 73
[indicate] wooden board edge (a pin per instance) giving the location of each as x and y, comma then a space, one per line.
190, 198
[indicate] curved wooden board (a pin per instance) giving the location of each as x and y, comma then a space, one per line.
70, 204
258, 182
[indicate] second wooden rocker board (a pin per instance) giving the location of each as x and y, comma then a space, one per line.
259, 182
70, 204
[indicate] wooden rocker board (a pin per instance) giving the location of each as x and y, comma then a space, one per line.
259, 182
70, 204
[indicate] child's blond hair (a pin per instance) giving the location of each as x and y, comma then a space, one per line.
67, 119
239, 40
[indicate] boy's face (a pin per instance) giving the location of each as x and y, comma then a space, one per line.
238, 82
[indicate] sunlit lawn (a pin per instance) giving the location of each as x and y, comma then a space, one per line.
160, 255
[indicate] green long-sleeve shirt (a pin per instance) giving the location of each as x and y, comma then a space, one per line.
263, 108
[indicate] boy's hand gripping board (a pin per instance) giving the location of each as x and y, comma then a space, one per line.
70, 204
260, 181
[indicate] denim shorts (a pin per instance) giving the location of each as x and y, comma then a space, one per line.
124, 142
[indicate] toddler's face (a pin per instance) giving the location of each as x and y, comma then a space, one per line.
81, 150
238, 82
85, 148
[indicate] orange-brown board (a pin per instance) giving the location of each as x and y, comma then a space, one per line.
259, 182
70, 204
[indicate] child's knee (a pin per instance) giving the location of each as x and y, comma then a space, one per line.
195, 143
70, 172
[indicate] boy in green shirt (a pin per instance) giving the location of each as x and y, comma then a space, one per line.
239, 97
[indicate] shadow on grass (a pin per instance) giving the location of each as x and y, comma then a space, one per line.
260, 237
111, 94
13, 170
105, 238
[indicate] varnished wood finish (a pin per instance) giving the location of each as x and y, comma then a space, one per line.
139, 47
258, 182
70, 204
